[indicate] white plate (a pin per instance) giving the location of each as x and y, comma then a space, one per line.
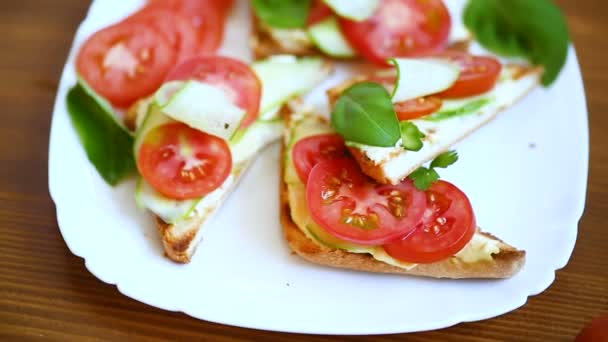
525, 174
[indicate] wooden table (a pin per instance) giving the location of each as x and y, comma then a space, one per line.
45, 291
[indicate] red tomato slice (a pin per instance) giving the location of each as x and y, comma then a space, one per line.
182, 162
596, 331
206, 15
352, 207
448, 225
236, 78
318, 12
125, 62
400, 28
176, 28
310, 151
478, 74
407, 110
417, 108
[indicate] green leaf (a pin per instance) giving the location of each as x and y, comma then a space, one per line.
532, 29
424, 177
411, 137
467, 109
107, 144
364, 114
282, 13
445, 159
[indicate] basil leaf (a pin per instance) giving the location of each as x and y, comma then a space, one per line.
411, 137
423, 178
533, 29
282, 13
364, 114
467, 109
445, 159
107, 144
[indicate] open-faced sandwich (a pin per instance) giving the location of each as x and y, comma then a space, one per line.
196, 120
335, 215
348, 29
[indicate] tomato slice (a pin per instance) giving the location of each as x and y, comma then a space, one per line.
352, 207
400, 28
478, 74
176, 28
240, 83
182, 162
206, 15
125, 62
318, 11
407, 110
310, 151
448, 225
596, 331
417, 108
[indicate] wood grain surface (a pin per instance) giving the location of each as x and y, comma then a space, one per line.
46, 292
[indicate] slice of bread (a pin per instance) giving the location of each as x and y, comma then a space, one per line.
504, 264
266, 41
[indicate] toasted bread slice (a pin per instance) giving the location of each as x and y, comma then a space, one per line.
393, 164
506, 262
267, 41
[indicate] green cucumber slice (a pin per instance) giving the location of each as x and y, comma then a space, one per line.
357, 10
153, 119
202, 106
328, 38
285, 77
258, 135
169, 210
421, 77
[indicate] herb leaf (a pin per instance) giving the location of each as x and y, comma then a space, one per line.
364, 114
282, 13
445, 159
533, 29
424, 177
411, 137
108, 145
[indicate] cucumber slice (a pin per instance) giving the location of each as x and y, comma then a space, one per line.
328, 38
357, 10
153, 119
170, 210
201, 106
270, 114
256, 137
285, 77
421, 77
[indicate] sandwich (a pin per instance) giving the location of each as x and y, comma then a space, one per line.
352, 29
194, 142
333, 216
